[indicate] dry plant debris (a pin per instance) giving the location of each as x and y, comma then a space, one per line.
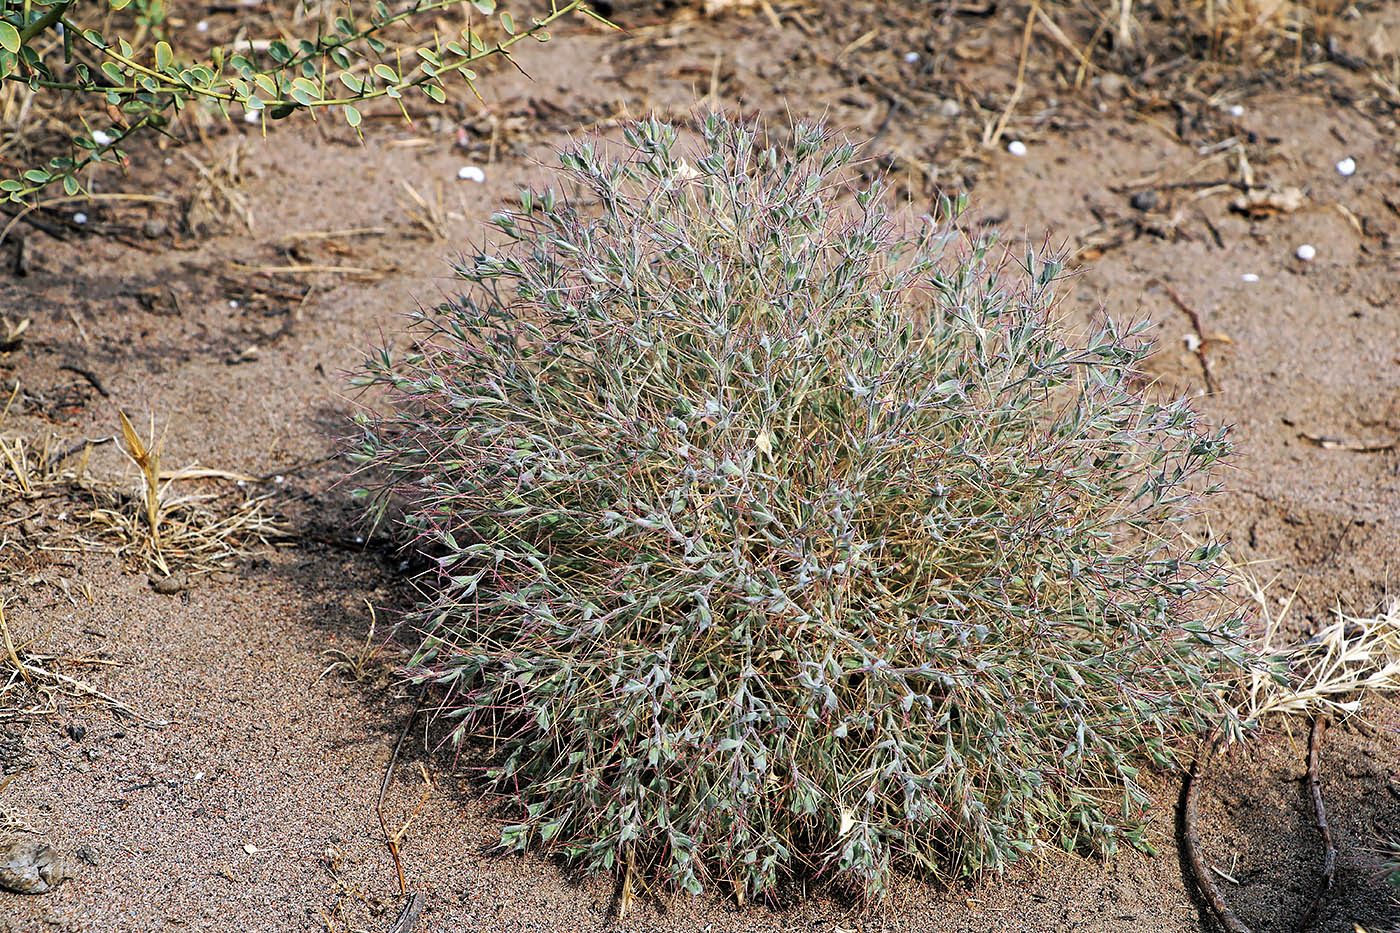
32, 684
1330, 673
368, 663
168, 532
1326, 676
193, 532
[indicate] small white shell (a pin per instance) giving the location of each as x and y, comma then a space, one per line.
101, 138
1306, 252
1347, 167
1250, 277
1016, 147
911, 57
471, 173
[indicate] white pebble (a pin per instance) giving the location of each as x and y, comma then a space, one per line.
80, 218
201, 26
471, 173
911, 57
1346, 167
1306, 252
1192, 341
250, 116
1236, 110
1250, 277
1016, 147
279, 479
233, 303
241, 482
105, 139
359, 540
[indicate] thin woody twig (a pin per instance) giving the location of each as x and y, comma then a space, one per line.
1201, 340
392, 840
1191, 843
1329, 857
994, 136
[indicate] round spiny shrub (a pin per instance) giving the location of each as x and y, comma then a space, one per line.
772, 541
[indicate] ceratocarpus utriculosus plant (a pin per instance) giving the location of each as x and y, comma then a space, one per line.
771, 540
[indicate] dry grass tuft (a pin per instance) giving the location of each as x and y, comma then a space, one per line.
165, 530
1330, 673
146, 456
429, 217
215, 196
1252, 30
193, 532
369, 663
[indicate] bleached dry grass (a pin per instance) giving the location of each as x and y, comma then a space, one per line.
172, 531
1330, 673
154, 523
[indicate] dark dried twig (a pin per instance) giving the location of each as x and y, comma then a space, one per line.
1201, 340
1336, 443
90, 376
1329, 857
1191, 843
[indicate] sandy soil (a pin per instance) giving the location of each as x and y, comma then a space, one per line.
253, 809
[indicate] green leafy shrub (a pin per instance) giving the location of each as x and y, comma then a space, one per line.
352, 57
771, 540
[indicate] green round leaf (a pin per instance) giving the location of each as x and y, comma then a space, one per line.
304, 92
508, 22
485, 6
9, 37
352, 116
